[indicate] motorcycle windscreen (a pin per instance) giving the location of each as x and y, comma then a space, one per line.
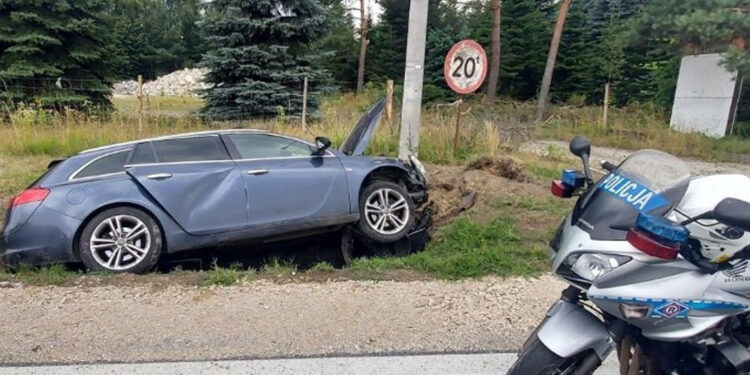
648, 181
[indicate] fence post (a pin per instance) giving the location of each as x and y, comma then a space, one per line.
304, 105
140, 103
605, 112
458, 125
389, 103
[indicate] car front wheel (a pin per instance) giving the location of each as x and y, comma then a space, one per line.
121, 239
386, 211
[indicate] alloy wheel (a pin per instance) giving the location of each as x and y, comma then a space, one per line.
120, 242
386, 211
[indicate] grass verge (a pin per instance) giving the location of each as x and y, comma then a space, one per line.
512, 244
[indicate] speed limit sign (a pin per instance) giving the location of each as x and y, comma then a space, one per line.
465, 67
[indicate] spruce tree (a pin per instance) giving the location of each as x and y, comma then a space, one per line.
54, 53
341, 49
525, 40
260, 55
574, 67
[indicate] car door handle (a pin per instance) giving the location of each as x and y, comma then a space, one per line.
159, 176
257, 172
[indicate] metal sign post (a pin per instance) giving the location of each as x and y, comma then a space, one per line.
465, 69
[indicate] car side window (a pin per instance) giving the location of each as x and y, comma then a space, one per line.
264, 146
107, 164
143, 153
190, 149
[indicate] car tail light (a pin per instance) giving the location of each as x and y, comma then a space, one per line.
28, 196
559, 189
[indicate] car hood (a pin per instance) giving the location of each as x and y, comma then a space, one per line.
360, 136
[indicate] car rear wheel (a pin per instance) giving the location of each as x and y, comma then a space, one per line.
386, 211
121, 239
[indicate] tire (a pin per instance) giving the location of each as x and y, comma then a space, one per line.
537, 359
387, 222
121, 239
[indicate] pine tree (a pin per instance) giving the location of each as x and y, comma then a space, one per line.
154, 37
341, 48
260, 55
573, 68
54, 53
525, 40
387, 54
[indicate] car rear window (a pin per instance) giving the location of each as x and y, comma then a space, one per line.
107, 164
190, 149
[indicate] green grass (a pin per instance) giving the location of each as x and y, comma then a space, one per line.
467, 248
637, 127
276, 267
55, 274
225, 276
322, 267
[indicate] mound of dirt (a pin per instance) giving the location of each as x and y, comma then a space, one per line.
478, 187
502, 167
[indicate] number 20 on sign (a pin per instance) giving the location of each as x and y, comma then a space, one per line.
465, 69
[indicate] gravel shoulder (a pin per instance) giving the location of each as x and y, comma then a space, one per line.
263, 319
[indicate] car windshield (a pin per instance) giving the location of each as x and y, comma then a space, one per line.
647, 181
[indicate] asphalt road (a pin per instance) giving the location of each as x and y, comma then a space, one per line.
454, 364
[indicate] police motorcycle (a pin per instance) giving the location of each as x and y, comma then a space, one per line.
657, 262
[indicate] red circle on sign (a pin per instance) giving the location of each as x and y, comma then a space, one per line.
449, 77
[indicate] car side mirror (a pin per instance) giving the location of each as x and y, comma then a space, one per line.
733, 212
580, 146
321, 145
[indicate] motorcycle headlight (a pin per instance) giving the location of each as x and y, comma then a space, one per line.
589, 266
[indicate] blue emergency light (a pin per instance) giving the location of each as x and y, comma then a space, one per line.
573, 178
662, 229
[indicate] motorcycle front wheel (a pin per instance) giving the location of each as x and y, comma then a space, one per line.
537, 359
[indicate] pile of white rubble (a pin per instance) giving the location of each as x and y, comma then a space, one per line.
185, 82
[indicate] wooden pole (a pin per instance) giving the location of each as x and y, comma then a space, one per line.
605, 111
304, 104
140, 103
458, 125
389, 101
362, 45
549, 69
495, 57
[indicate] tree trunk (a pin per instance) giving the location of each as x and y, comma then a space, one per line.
363, 42
548, 70
495, 57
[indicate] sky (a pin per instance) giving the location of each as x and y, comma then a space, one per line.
373, 9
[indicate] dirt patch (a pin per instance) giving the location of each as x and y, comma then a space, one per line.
458, 189
502, 167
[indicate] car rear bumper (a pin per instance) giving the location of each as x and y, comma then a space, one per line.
46, 238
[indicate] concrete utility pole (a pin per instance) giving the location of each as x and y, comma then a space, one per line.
548, 70
363, 42
495, 57
413, 77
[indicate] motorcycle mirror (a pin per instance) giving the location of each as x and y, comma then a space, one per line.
580, 146
733, 212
